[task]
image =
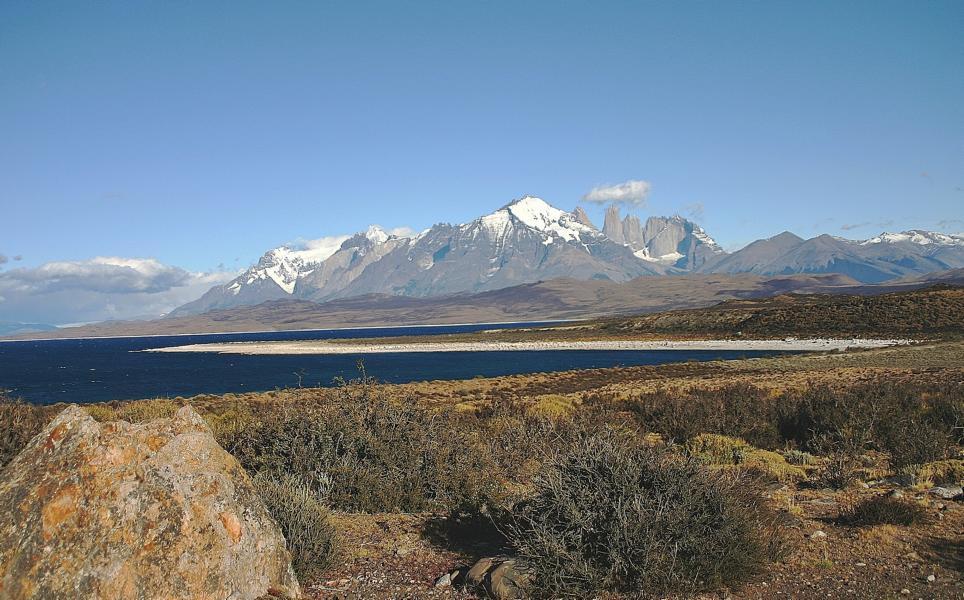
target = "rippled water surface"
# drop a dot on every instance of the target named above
(94, 370)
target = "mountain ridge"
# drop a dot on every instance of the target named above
(528, 240)
(557, 299)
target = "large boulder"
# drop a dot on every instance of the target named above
(149, 510)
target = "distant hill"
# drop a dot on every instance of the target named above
(934, 310)
(557, 299)
(12, 328)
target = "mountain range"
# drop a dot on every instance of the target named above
(550, 300)
(529, 240)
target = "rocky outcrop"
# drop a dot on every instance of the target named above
(120, 510)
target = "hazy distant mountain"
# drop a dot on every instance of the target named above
(13, 328)
(671, 241)
(528, 240)
(885, 257)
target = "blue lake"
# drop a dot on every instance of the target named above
(95, 370)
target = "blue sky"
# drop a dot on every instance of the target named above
(200, 134)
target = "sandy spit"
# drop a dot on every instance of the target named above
(323, 347)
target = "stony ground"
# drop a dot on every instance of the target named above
(401, 556)
(398, 556)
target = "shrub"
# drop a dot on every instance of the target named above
(19, 423)
(741, 411)
(799, 457)
(303, 518)
(843, 451)
(380, 454)
(949, 471)
(884, 510)
(912, 423)
(614, 516)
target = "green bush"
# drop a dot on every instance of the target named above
(303, 517)
(613, 516)
(884, 510)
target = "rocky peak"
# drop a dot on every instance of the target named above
(581, 217)
(613, 225)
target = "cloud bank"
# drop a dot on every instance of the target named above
(99, 289)
(630, 193)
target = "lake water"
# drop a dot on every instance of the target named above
(95, 370)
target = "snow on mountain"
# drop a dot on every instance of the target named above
(529, 240)
(286, 265)
(525, 241)
(917, 236)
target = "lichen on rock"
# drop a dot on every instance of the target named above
(149, 510)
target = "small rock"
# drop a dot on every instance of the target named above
(946, 492)
(931, 578)
(861, 564)
(903, 480)
(905, 592)
(817, 535)
(508, 582)
(896, 494)
(478, 570)
(444, 580)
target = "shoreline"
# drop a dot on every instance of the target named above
(323, 347)
(550, 323)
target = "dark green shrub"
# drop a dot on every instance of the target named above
(302, 515)
(19, 423)
(884, 510)
(612, 516)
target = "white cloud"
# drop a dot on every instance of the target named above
(321, 248)
(99, 289)
(632, 192)
(695, 210)
(402, 232)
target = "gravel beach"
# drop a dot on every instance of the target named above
(326, 347)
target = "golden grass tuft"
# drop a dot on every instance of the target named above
(553, 406)
(724, 451)
(939, 472)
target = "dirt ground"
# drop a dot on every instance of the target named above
(402, 555)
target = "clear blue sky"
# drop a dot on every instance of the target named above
(201, 133)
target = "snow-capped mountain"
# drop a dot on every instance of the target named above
(919, 237)
(529, 240)
(525, 241)
(281, 272)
